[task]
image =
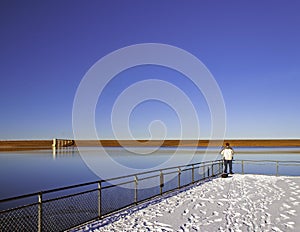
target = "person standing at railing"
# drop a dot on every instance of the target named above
(227, 152)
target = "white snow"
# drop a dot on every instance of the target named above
(236, 203)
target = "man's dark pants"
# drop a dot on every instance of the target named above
(228, 163)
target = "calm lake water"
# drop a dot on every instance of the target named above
(32, 171)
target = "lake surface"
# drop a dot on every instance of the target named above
(26, 172)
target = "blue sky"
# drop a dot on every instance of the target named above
(251, 48)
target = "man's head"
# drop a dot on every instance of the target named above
(227, 144)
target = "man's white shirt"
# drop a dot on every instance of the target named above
(227, 153)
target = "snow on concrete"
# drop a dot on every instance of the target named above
(236, 203)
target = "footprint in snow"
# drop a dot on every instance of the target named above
(202, 212)
(195, 228)
(218, 220)
(290, 225)
(220, 203)
(162, 224)
(276, 229)
(196, 206)
(296, 203)
(284, 217)
(195, 216)
(215, 213)
(185, 212)
(171, 211)
(192, 220)
(292, 212)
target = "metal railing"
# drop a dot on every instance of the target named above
(64, 208)
(267, 167)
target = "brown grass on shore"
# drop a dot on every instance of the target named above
(25, 145)
(199, 143)
(47, 144)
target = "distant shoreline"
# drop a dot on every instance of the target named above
(19, 145)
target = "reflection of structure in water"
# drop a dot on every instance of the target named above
(62, 147)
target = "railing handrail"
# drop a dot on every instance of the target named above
(157, 170)
(270, 161)
(102, 181)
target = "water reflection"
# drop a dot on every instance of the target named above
(63, 151)
(25, 172)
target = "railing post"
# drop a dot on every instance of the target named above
(208, 172)
(99, 199)
(223, 166)
(193, 174)
(40, 212)
(161, 182)
(243, 167)
(277, 168)
(135, 189)
(212, 169)
(179, 173)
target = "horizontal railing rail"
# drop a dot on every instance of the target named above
(67, 207)
(252, 167)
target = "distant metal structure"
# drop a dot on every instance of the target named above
(62, 143)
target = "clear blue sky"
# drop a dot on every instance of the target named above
(251, 48)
